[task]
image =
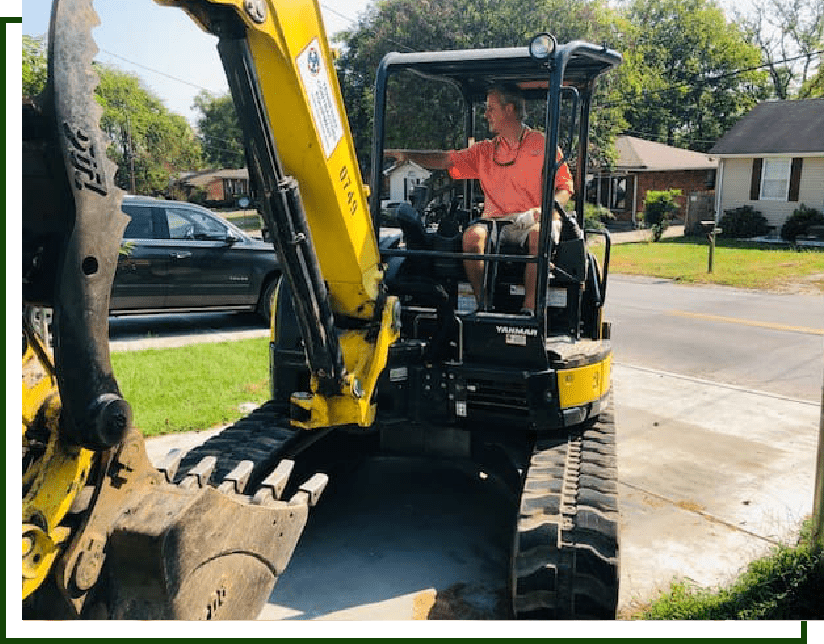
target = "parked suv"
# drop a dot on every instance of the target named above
(179, 257)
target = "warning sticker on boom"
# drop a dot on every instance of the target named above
(325, 113)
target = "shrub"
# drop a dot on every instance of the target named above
(800, 221)
(596, 216)
(743, 222)
(198, 196)
(659, 208)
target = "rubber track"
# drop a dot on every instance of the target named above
(565, 562)
(264, 437)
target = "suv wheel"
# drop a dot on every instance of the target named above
(266, 302)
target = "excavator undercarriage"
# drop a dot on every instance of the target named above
(371, 351)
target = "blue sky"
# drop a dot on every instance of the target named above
(164, 47)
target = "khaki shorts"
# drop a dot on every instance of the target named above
(519, 227)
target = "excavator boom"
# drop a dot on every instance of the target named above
(104, 533)
(280, 50)
(280, 70)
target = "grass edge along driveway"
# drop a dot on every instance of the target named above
(737, 264)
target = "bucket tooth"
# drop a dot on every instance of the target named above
(273, 485)
(198, 476)
(311, 490)
(237, 480)
(168, 466)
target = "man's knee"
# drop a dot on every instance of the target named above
(474, 239)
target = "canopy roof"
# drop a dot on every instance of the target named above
(475, 70)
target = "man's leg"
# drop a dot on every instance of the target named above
(474, 241)
(531, 273)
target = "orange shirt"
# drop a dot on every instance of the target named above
(508, 189)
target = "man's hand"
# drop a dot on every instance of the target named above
(562, 197)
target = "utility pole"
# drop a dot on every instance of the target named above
(131, 153)
(818, 502)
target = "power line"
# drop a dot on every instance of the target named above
(351, 21)
(355, 23)
(156, 71)
(699, 82)
(696, 83)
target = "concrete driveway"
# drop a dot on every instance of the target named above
(711, 477)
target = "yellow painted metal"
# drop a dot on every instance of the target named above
(52, 480)
(306, 112)
(582, 385)
(296, 75)
(364, 358)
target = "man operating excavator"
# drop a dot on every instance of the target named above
(509, 168)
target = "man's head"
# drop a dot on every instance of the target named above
(504, 107)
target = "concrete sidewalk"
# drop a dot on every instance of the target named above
(643, 234)
(711, 476)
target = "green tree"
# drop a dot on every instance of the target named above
(790, 35)
(220, 132)
(814, 87)
(34, 68)
(659, 209)
(427, 115)
(143, 133)
(693, 74)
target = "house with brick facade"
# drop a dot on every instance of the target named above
(225, 187)
(773, 160)
(642, 166)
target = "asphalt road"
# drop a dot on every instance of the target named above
(767, 341)
(717, 408)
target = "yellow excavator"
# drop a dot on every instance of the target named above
(374, 350)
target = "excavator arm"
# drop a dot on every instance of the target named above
(280, 71)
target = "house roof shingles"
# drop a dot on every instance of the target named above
(638, 154)
(777, 127)
(204, 177)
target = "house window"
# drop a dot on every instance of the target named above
(775, 179)
(608, 191)
(619, 194)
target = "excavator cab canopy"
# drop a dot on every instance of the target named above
(559, 82)
(570, 68)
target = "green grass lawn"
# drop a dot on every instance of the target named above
(248, 220)
(738, 264)
(787, 585)
(194, 387)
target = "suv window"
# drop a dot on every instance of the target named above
(186, 224)
(140, 226)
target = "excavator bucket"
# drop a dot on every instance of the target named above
(108, 535)
(186, 551)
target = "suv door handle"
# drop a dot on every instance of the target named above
(181, 255)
